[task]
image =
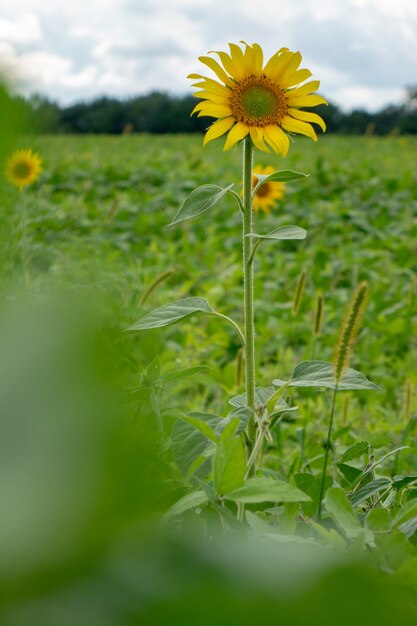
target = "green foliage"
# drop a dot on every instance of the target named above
(199, 201)
(322, 374)
(267, 490)
(283, 176)
(96, 226)
(282, 233)
(172, 313)
(229, 460)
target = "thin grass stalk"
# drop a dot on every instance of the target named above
(328, 445)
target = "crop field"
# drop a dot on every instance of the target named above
(93, 232)
(99, 217)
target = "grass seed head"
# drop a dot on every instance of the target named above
(349, 329)
(318, 316)
(299, 292)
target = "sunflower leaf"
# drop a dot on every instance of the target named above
(283, 176)
(262, 489)
(199, 201)
(281, 233)
(321, 374)
(172, 313)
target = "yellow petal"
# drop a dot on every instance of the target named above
(215, 110)
(312, 100)
(217, 69)
(256, 135)
(197, 108)
(249, 60)
(307, 116)
(296, 126)
(295, 78)
(218, 128)
(238, 132)
(237, 56)
(213, 97)
(228, 64)
(212, 85)
(277, 139)
(211, 109)
(286, 63)
(274, 61)
(258, 59)
(306, 89)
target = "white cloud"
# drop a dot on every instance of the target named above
(25, 30)
(363, 51)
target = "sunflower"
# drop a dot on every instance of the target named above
(269, 193)
(23, 168)
(259, 100)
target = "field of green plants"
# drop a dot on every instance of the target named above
(90, 240)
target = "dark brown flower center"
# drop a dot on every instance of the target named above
(22, 169)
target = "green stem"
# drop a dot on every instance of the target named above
(233, 323)
(248, 287)
(326, 456)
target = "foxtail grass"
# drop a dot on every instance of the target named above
(342, 354)
(158, 280)
(299, 292)
(349, 329)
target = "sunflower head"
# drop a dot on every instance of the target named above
(23, 168)
(269, 193)
(264, 101)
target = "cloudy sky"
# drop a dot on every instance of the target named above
(364, 51)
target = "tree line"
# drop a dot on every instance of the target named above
(159, 112)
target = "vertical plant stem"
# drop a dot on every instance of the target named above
(248, 288)
(326, 456)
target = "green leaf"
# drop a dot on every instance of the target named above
(199, 201)
(409, 527)
(283, 176)
(260, 489)
(339, 507)
(262, 397)
(378, 520)
(257, 524)
(187, 443)
(180, 374)
(281, 233)
(311, 485)
(408, 512)
(399, 482)
(373, 487)
(173, 313)
(190, 501)
(242, 413)
(229, 461)
(201, 426)
(350, 472)
(262, 394)
(321, 374)
(355, 451)
(330, 536)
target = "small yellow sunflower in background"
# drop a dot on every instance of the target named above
(269, 193)
(23, 168)
(259, 100)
